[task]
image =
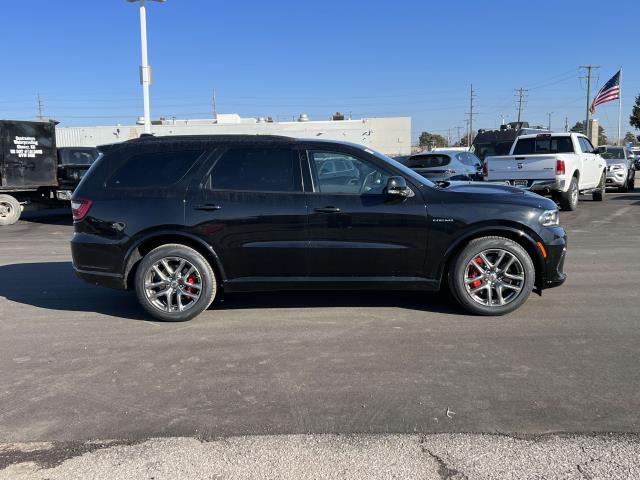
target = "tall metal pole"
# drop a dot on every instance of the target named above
(470, 131)
(145, 72)
(521, 95)
(620, 108)
(549, 124)
(586, 122)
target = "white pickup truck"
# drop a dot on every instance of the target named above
(561, 164)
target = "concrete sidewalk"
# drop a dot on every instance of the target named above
(439, 456)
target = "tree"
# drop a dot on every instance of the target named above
(634, 118)
(431, 140)
(630, 138)
(602, 138)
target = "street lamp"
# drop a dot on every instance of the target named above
(145, 69)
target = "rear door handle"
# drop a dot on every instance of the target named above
(207, 207)
(328, 210)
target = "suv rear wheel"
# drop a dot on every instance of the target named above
(174, 283)
(492, 276)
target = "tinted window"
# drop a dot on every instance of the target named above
(530, 146)
(157, 169)
(341, 173)
(255, 169)
(78, 157)
(428, 161)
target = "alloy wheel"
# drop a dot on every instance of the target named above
(494, 277)
(173, 284)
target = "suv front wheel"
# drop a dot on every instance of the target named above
(174, 283)
(492, 276)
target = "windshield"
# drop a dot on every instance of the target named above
(404, 169)
(77, 156)
(613, 153)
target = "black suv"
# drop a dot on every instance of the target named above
(180, 218)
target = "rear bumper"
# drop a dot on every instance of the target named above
(535, 184)
(101, 279)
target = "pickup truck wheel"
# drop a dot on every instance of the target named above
(569, 200)
(599, 194)
(174, 283)
(492, 276)
(631, 182)
(10, 210)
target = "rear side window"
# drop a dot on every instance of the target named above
(255, 169)
(154, 169)
(428, 161)
(531, 146)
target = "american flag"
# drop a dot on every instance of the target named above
(610, 91)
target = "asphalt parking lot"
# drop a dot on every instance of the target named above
(80, 362)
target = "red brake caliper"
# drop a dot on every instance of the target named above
(475, 273)
(192, 280)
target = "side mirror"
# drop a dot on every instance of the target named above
(397, 187)
(601, 150)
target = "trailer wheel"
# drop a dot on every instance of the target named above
(10, 210)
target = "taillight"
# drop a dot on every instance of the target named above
(560, 167)
(80, 207)
(485, 169)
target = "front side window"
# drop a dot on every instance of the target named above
(585, 145)
(255, 169)
(429, 161)
(154, 169)
(341, 173)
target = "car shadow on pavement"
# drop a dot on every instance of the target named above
(48, 217)
(54, 285)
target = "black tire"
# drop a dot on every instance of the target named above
(569, 200)
(458, 271)
(631, 183)
(208, 283)
(625, 186)
(10, 210)
(599, 194)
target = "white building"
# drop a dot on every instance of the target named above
(391, 135)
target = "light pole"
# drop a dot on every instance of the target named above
(145, 69)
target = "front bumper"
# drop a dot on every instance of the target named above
(616, 178)
(555, 245)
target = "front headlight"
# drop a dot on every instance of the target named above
(617, 167)
(549, 218)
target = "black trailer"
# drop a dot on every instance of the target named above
(498, 142)
(33, 173)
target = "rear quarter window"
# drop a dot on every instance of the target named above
(428, 161)
(154, 169)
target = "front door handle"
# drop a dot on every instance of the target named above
(328, 210)
(207, 207)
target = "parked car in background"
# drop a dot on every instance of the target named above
(73, 163)
(563, 165)
(446, 165)
(635, 151)
(621, 172)
(179, 219)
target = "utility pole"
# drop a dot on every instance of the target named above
(589, 69)
(470, 122)
(549, 124)
(566, 124)
(448, 137)
(40, 108)
(459, 137)
(522, 93)
(215, 113)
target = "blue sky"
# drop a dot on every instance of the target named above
(283, 58)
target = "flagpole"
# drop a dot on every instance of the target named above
(620, 108)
